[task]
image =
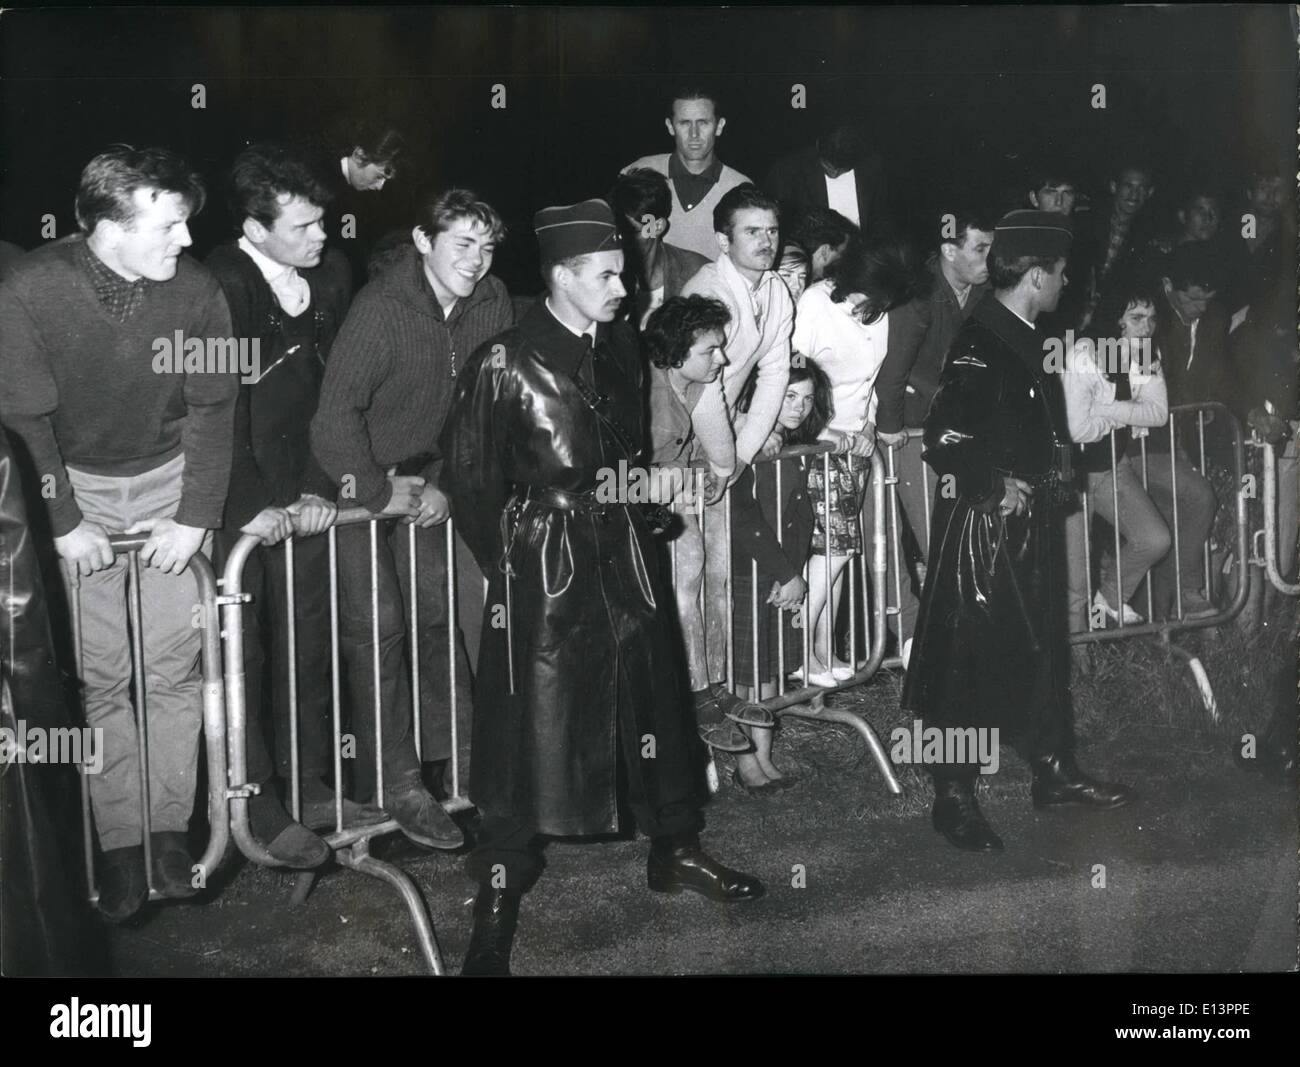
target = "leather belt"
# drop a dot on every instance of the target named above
(563, 501)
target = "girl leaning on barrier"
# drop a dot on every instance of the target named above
(772, 526)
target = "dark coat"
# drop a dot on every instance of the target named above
(798, 182)
(594, 660)
(46, 927)
(273, 462)
(990, 647)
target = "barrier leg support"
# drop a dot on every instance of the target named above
(358, 858)
(818, 711)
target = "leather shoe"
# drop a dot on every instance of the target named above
(671, 870)
(761, 790)
(422, 819)
(1057, 780)
(496, 914)
(297, 848)
(122, 885)
(957, 816)
(173, 867)
(319, 814)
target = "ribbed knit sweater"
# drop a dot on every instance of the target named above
(82, 390)
(389, 380)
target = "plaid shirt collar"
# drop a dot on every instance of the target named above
(120, 298)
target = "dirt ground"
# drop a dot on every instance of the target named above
(1199, 876)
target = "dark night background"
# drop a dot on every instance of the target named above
(959, 98)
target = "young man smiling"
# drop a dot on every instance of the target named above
(387, 391)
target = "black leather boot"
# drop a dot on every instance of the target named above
(671, 869)
(957, 816)
(496, 914)
(1058, 780)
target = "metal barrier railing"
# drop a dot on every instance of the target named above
(351, 845)
(1270, 532)
(807, 701)
(214, 721)
(1161, 629)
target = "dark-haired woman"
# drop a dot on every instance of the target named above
(772, 526)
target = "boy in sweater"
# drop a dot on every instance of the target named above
(128, 435)
(387, 390)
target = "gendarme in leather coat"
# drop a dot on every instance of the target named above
(593, 656)
(991, 641)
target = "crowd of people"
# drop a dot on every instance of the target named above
(693, 321)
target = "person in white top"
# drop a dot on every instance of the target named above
(1114, 384)
(757, 338)
(842, 323)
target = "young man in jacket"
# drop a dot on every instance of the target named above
(582, 687)
(287, 298)
(991, 648)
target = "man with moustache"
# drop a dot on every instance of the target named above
(747, 230)
(581, 689)
(289, 296)
(122, 443)
(1115, 238)
(991, 646)
(387, 390)
(698, 178)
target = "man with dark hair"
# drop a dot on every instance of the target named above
(698, 178)
(358, 157)
(1112, 243)
(128, 435)
(287, 297)
(583, 686)
(1192, 339)
(655, 269)
(920, 334)
(1051, 188)
(387, 390)
(1265, 232)
(991, 647)
(747, 225)
(824, 235)
(838, 171)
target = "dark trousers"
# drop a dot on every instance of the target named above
(508, 854)
(429, 643)
(266, 624)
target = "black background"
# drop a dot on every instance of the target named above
(958, 99)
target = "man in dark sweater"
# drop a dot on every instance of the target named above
(387, 390)
(920, 334)
(288, 296)
(126, 435)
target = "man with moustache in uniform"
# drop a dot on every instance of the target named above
(991, 647)
(584, 686)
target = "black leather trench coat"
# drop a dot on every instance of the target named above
(991, 641)
(47, 927)
(595, 666)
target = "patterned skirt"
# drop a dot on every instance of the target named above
(848, 484)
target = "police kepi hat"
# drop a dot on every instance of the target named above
(1031, 233)
(576, 230)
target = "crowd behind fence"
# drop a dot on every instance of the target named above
(876, 583)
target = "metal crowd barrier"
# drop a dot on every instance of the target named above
(214, 722)
(351, 845)
(1270, 530)
(807, 701)
(1162, 629)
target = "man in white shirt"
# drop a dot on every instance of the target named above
(839, 172)
(747, 228)
(698, 178)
